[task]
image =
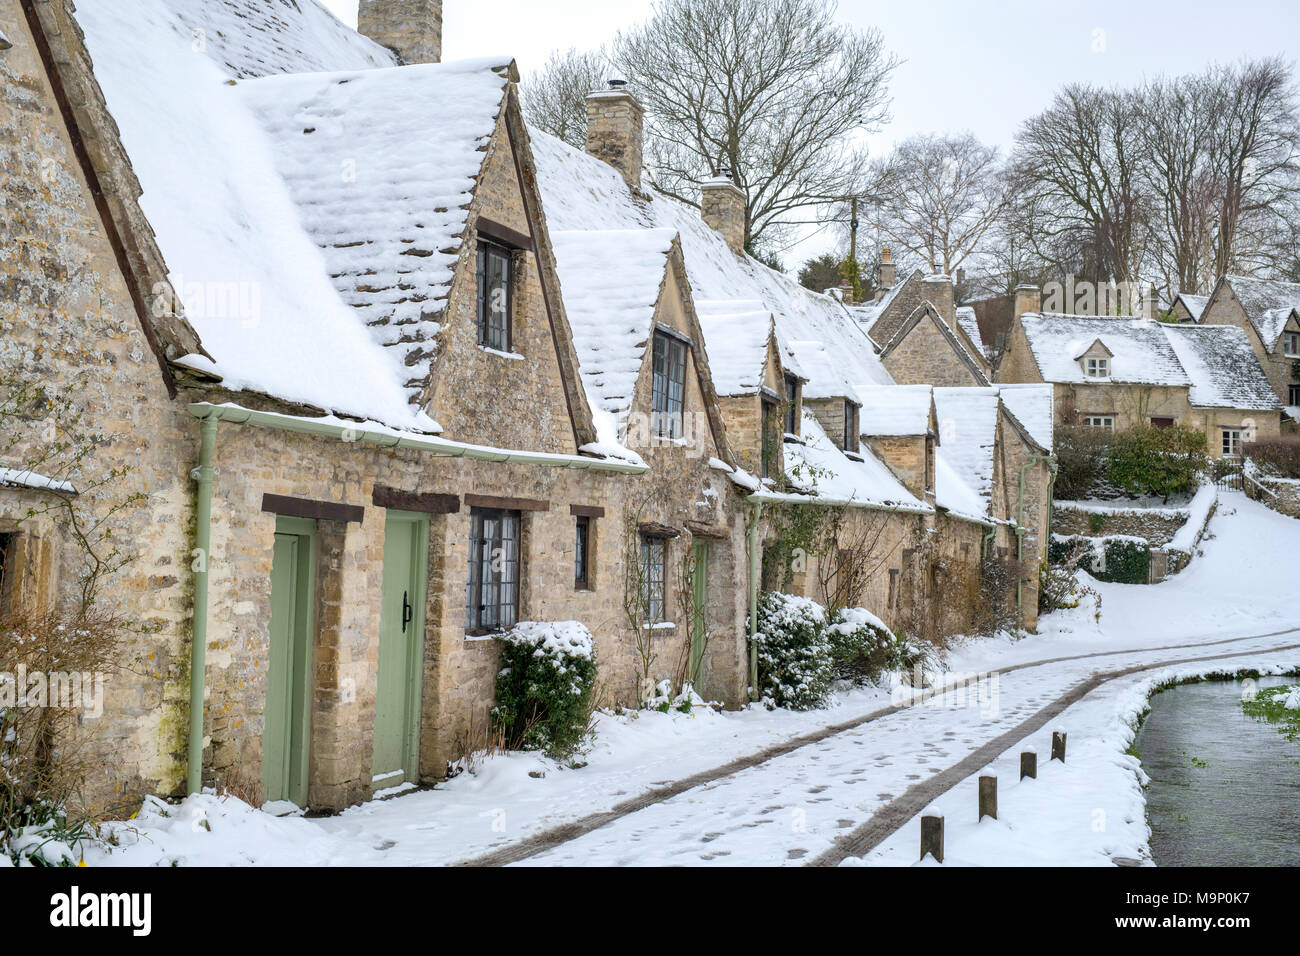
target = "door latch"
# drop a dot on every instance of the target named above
(408, 612)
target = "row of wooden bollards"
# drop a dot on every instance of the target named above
(932, 826)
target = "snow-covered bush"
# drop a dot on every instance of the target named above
(545, 686)
(794, 651)
(863, 648)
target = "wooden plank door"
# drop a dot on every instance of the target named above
(286, 738)
(401, 649)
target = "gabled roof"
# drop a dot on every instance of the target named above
(1141, 354)
(1031, 406)
(611, 280)
(382, 166)
(968, 325)
(927, 311)
(738, 336)
(224, 218)
(898, 303)
(1097, 346)
(1268, 304)
(1223, 367)
(896, 410)
(1194, 304)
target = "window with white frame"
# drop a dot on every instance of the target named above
(1231, 442)
(1100, 421)
(1096, 366)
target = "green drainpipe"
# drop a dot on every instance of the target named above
(755, 570)
(203, 474)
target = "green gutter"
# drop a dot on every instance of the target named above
(393, 439)
(203, 474)
(210, 416)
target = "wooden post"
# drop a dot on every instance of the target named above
(988, 797)
(1028, 765)
(1058, 745)
(932, 838)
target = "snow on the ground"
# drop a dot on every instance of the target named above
(791, 808)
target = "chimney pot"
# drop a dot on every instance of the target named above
(410, 28)
(886, 271)
(614, 130)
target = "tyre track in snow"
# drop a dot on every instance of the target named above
(560, 834)
(895, 814)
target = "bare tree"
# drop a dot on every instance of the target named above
(772, 90)
(1253, 151)
(1076, 165)
(937, 197)
(555, 97)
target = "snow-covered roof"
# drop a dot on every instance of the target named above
(611, 280)
(954, 494)
(967, 322)
(1268, 304)
(381, 165)
(256, 287)
(1031, 406)
(816, 332)
(1194, 304)
(817, 467)
(968, 427)
(1224, 370)
(895, 410)
(1141, 354)
(736, 335)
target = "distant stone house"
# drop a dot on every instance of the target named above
(396, 373)
(1188, 308)
(1268, 311)
(926, 349)
(1117, 373)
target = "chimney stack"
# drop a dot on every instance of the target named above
(1029, 298)
(886, 269)
(722, 206)
(410, 28)
(1150, 303)
(614, 120)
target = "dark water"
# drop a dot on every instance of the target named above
(1225, 788)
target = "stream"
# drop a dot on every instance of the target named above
(1225, 788)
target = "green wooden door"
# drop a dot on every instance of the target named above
(287, 736)
(699, 603)
(401, 649)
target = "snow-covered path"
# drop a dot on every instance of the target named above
(792, 807)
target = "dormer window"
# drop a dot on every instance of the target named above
(851, 438)
(495, 295)
(1291, 344)
(668, 388)
(1095, 366)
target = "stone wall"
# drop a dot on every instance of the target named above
(925, 356)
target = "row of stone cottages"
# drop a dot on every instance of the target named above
(395, 371)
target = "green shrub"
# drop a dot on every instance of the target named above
(1083, 462)
(1120, 559)
(1096, 522)
(1157, 461)
(794, 652)
(545, 685)
(862, 648)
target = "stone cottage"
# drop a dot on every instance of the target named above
(1268, 312)
(1116, 373)
(393, 372)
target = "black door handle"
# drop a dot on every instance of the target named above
(408, 612)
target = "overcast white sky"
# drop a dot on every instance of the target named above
(977, 66)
